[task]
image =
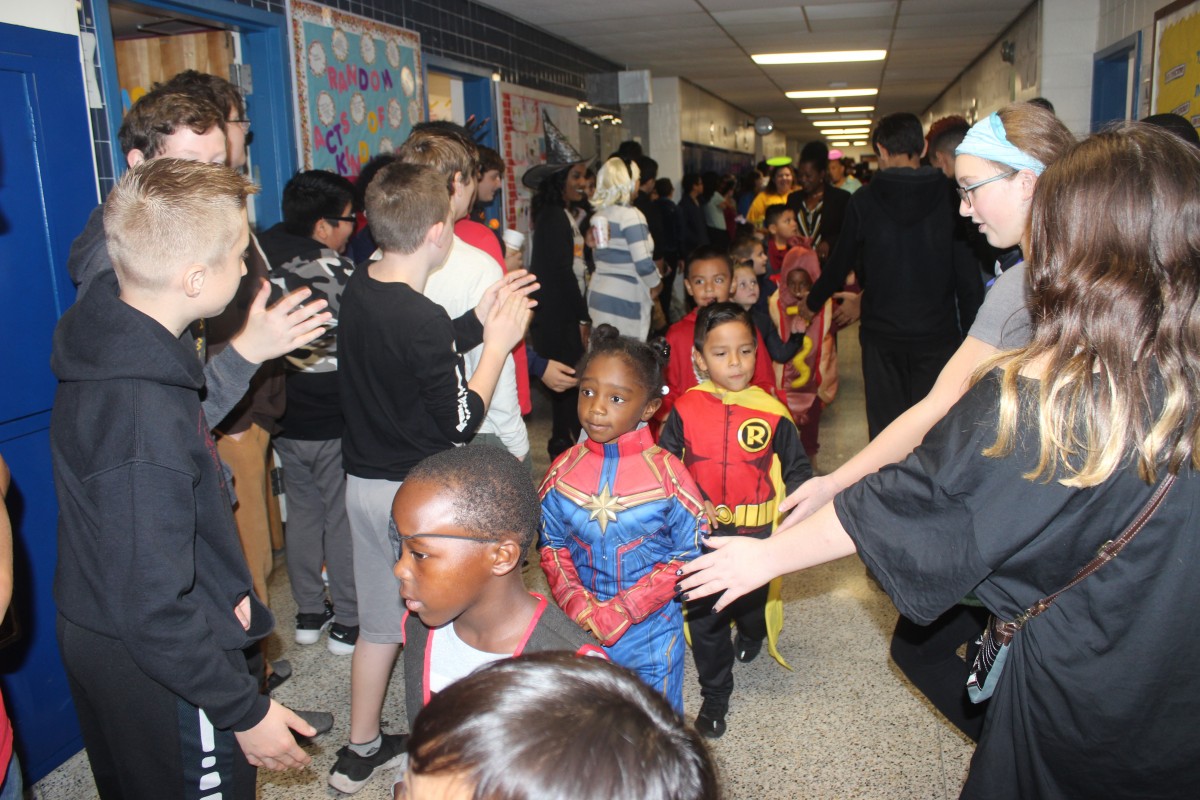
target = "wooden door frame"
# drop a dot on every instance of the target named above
(264, 48)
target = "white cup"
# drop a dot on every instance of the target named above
(600, 231)
(514, 239)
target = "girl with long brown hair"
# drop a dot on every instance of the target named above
(1052, 452)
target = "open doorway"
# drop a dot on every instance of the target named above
(152, 46)
(1115, 82)
(465, 94)
(142, 42)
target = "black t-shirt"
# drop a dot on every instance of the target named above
(403, 384)
(1097, 698)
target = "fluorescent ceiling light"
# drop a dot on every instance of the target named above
(829, 57)
(814, 94)
(855, 109)
(841, 132)
(829, 110)
(841, 123)
(860, 144)
(840, 144)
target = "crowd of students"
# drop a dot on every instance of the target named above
(679, 437)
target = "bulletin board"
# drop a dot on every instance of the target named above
(523, 143)
(1176, 61)
(358, 84)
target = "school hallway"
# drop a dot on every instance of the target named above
(844, 724)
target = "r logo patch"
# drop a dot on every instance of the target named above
(754, 435)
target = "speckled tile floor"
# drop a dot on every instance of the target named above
(844, 724)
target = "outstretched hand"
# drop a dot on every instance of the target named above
(520, 282)
(508, 320)
(271, 745)
(280, 329)
(808, 497)
(734, 566)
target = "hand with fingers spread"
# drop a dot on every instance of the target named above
(507, 320)
(520, 282)
(271, 745)
(732, 565)
(736, 565)
(280, 329)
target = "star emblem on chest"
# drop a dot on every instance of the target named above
(604, 508)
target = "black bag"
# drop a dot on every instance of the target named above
(998, 635)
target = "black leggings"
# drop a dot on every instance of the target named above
(928, 656)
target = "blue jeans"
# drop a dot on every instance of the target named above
(14, 786)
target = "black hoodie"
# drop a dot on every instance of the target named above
(148, 549)
(921, 282)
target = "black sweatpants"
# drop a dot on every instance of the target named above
(928, 656)
(712, 647)
(895, 380)
(144, 742)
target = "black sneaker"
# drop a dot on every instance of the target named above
(322, 722)
(351, 771)
(710, 722)
(746, 650)
(309, 626)
(342, 639)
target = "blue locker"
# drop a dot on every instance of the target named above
(47, 189)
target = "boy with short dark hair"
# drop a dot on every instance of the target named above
(463, 522)
(707, 279)
(305, 250)
(405, 396)
(156, 611)
(744, 452)
(782, 229)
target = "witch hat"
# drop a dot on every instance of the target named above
(560, 154)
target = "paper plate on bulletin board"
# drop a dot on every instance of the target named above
(358, 86)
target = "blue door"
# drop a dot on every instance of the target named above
(47, 189)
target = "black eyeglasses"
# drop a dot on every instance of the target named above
(964, 192)
(397, 541)
(342, 219)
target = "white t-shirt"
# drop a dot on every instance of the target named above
(451, 659)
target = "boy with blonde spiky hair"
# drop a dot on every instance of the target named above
(155, 604)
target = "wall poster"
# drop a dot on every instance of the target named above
(359, 85)
(1176, 61)
(523, 144)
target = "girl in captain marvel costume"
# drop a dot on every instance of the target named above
(621, 516)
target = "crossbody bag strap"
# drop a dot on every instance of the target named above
(1108, 551)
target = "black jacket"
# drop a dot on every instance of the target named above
(920, 280)
(148, 549)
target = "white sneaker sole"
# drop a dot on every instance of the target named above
(345, 785)
(340, 648)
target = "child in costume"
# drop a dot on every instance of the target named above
(741, 446)
(809, 378)
(621, 515)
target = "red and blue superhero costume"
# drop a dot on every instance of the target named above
(744, 452)
(618, 520)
